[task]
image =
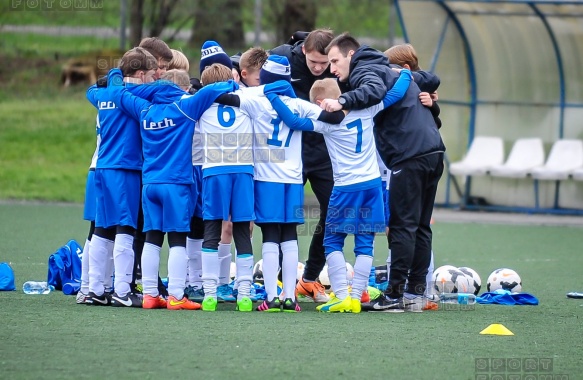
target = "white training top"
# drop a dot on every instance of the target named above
(98, 135)
(227, 136)
(277, 149)
(351, 146)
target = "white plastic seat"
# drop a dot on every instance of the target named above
(526, 154)
(484, 153)
(577, 174)
(565, 156)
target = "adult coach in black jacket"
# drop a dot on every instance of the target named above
(309, 63)
(410, 145)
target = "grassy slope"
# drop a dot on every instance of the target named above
(51, 337)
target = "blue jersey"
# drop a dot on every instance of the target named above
(167, 129)
(121, 144)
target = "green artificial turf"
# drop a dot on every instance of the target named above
(50, 337)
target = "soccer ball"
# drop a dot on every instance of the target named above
(506, 279)
(300, 273)
(443, 267)
(451, 281)
(325, 279)
(258, 272)
(233, 271)
(475, 280)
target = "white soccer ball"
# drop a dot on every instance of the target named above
(325, 279)
(258, 272)
(349, 272)
(506, 279)
(300, 272)
(475, 280)
(451, 281)
(233, 271)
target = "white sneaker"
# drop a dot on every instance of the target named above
(80, 299)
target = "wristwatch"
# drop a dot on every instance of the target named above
(342, 101)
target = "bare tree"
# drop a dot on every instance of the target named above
(219, 20)
(136, 22)
(294, 15)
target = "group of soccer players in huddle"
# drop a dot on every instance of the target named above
(203, 161)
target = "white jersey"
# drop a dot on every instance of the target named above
(351, 146)
(96, 153)
(226, 136)
(277, 149)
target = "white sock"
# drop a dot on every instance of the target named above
(244, 275)
(337, 274)
(224, 263)
(429, 290)
(109, 268)
(289, 267)
(194, 252)
(389, 263)
(97, 262)
(362, 266)
(270, 253)
(123, 258)
(150, 268)
(85, 268)
(177, 271)
(210, 271)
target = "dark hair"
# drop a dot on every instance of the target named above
(135, 60)
(317, 40)
(345, 42)
(157, 48)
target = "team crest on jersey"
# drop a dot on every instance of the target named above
(159, 125)
(107, 105)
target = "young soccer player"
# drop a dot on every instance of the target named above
(356, 202)
(179, 62)
(117, 179)
(250, 65)
(227, 191)
(167, 178)
(160, 50)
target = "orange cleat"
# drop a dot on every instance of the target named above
(365, 297)
(313, 291)
(150, 302)
(182, 304)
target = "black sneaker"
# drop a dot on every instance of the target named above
(290, 306)
(386, 304)
(130, 300)
(95, 300)
(273, 306)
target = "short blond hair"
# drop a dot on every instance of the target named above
(179, 61)
(180, 77)
(253, 59)
(324, 89)
(216, 73)
(403, 54)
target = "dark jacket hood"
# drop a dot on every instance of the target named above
(365, 55)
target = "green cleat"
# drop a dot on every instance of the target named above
(209, 304)
(336, 305)
(244, 304)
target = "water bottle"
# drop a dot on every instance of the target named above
(457, 298)
(35, 287)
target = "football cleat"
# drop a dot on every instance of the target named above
(336, 305)
(181, 304)
(150, 302)
(313, 291)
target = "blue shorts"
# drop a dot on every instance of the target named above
(279, 202)
(167, 207)
(225, 195)
(197, 191)
(386, 202)
(118, 197)
(90, 198)
(356, 211)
